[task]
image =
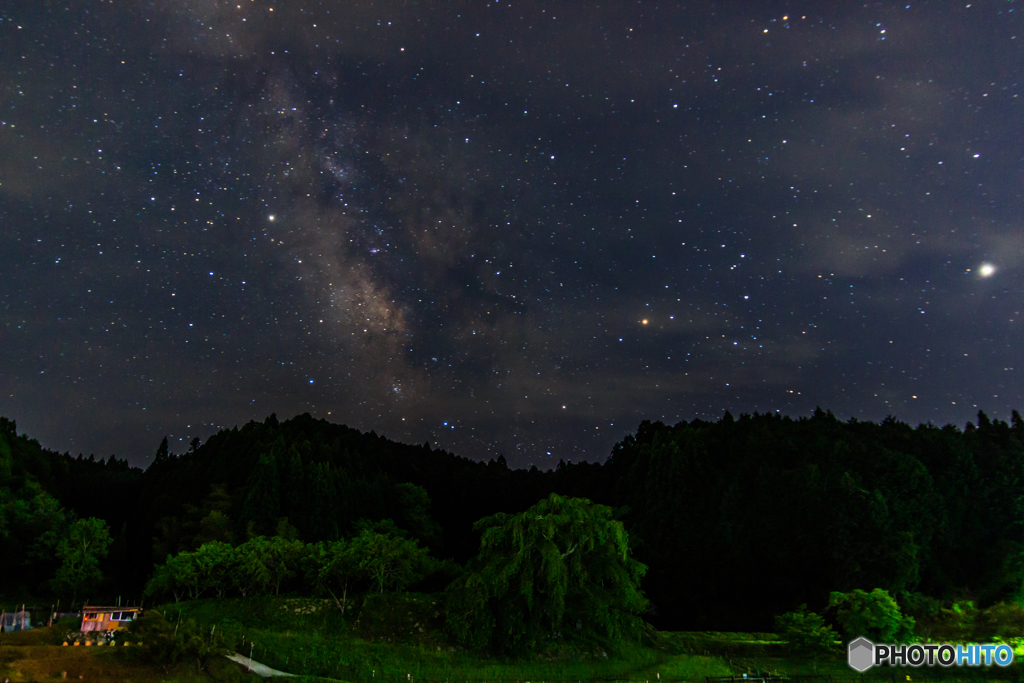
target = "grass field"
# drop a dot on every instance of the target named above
(39, 655)
(45, 662)
(398, 638)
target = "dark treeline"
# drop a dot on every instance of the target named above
(737, 520)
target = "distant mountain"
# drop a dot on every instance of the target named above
(738, 520)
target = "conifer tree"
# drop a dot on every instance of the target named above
(263, 502)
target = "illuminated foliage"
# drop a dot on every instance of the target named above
(564, 564)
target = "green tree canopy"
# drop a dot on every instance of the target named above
(214, 566)
(264, 563)
(219, 560)
(329, 566)
(164, 580)
(80, 548)
(390, 561)
(415, 515)
(562, 564)
(874, 615)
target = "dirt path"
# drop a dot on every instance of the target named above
(257, 668)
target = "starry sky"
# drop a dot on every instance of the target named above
(515, 227)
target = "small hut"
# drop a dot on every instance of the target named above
(108, 618)
(15, 621)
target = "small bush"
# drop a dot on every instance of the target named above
(165, 643)
(806, 632)
(955, 623)
(1003, 620)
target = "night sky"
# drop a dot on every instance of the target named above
(516, 227)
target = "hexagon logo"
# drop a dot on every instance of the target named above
(861, 654)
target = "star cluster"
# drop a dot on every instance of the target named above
(517, 227)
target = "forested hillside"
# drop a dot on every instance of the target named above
(737, 520)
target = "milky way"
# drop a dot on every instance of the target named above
(515, 228)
